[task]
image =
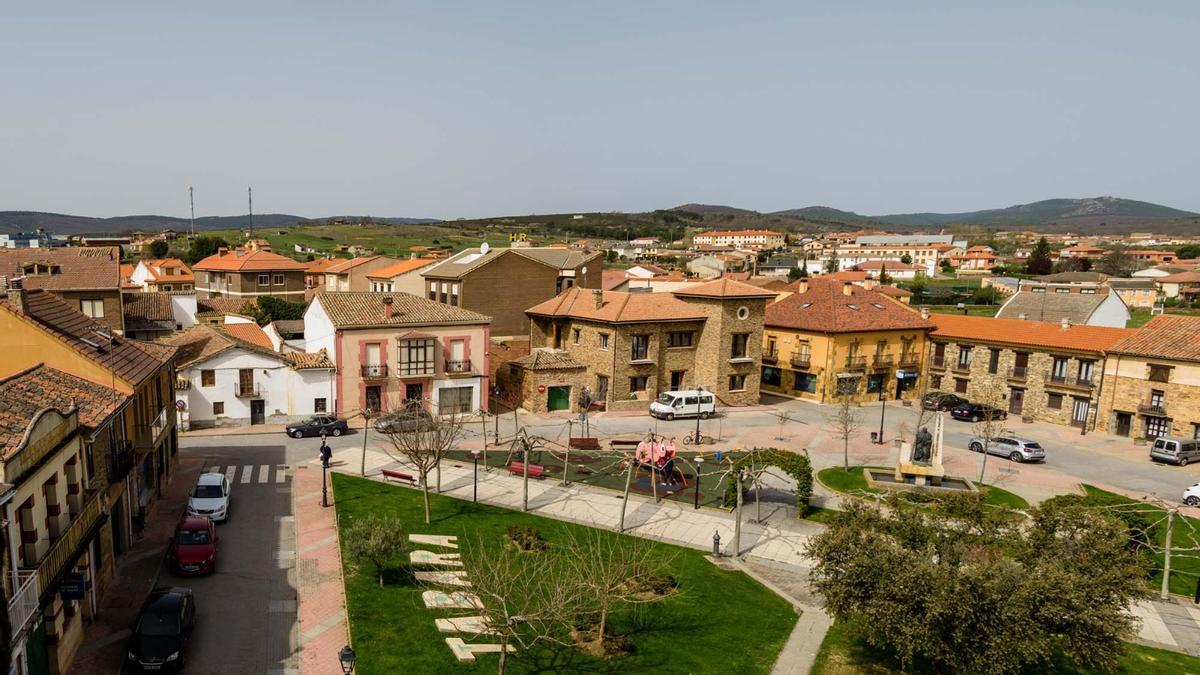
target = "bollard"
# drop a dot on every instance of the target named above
(1196, 600)
(716, 544)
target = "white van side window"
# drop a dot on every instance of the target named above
(690, 400)
(706, 399)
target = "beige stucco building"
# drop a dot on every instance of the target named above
(1152, 380)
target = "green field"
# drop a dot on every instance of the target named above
(971, 310)
(853, 482)
(690, 632)
(842, 654)
(394, 240)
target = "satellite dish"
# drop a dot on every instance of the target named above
(583, 270)
(484, 248)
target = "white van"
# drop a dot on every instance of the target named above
(685, 403)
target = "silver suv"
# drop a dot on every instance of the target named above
(1013, 447)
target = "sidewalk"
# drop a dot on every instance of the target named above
(103, 650)
(323, 623)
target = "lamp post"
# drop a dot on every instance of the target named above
(475, 476)
(698, 441)
(347, 657)
(882, 410)
(324, 472)
(696, 500)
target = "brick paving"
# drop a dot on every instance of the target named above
(323, 625)
(105, 638)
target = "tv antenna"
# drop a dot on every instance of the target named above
(250, 201)
(192, 220)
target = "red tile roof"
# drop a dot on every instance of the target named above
(240, 260)
(203, 341)
(1179, 278)
(319, 265)
(724, 288)
(1043, 334)
(183, 273)
(357, 309)
(249, 332)
(825, 307)
(314, 361)
(23, 395)
(344, 266)
(400, 267)
(1169, 337)
(71, 268)
(617, 307)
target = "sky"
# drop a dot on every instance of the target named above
(455, 109)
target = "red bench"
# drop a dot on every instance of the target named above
(398, 475)
(584, 443)
(518, 469)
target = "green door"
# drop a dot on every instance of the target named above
(558, 398)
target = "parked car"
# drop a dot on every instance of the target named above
(210, 497)
(974, 412)
(194, 546)
(687, 403)
(941, 401)
(1191, 496)
(1013, 447)
(162, 630)
(407, 420)
(1179, 451)
(313, 426)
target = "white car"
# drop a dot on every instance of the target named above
(210, 497)
(1191, 496)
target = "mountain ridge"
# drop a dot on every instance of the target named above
(63, 223)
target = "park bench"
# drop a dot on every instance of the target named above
(398, 475)
(584, 443)
(619, 444)
(518, 469)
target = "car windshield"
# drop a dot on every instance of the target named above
(208, 492)
(192, 537)
(159, 622)
(666, 399)
(313, 421)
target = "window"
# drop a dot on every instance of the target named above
(637, 384)
(677, 379)
(771, 376)
(1157, 398)
(186, 287)
(1062, 290)
(454, 295)
(601, 388)
(433, 291)
(445, 293)
(679, 339)
(416, 357)
(1087, 291)
(1160, 373)
(993, 360)
(960, 385)
(1086, 370)
(1054, 401)
(264, 279)
(805, 382)
(278, 280)
(737, 382)
(575, 335)
(935, 381)
(740, 342)
(454, 400)
(639, 347)
(319, 405)
(939, 353)
(165, 288)
(964, 357)
(1157, 426)
(208, 378)
(218, 407)
(604, 341)
(92, 308)
(1038, 289)
(875, 383)
(743, 312)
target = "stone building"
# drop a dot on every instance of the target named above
(544, 381)
(87, 278)
(245, 273)
(1039, 370)
(831, 337)
(636, 345)
(1152, 380)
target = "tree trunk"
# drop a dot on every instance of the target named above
(625, 498)
(503, 653)
(846, 452)
(425, 496)
(600, 628)
(525, 480)
(362, 469)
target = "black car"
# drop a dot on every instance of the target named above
(975, 412)
(313, 426)
(162, 630)
(408, 420)
(941, 401)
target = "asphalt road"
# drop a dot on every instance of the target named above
(246, 611)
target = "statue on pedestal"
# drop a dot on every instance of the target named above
(923, 447)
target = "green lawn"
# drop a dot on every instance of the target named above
(1137, 317)
(717, 622)
(1185, 567)
(842, 654)
(853, 482)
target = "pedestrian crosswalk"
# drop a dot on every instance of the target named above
(253, 474)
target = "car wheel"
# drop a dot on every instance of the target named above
(974, 418)
(705, 415)
(1192, 501)
(336, 431)
(1183, 461)
(1015, 456)
(670, 417)
(976, 447)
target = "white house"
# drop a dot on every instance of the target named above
(229, 375)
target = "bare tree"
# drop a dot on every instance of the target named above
(525, 596)
(375, 539)
(845, 419)
(990, 421)
(424, 445)
(615, 572)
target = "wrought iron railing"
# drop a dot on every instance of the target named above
(63, 549)
(374, 370)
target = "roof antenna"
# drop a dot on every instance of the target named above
(192, 220)
(250, 200)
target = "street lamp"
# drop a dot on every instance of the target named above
(324, 472)
(696, 500)
(698, 441)
(475, 476)
(346, 657)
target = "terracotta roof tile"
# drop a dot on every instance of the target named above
(224, 306)
(1164, 337)
(356, 309)
(824, 307)
(249, 332)
(618, 307)
(400, 267)
(183, 273)
(319, 265)
(73, 268)
(1042, 334)
(1179, 278)
(313, 361)
(239, 260)
(146, 309)
(23, 395)
(548, 359)
(203, 341)
(343, 266)
(724, 288)
(1052, 307)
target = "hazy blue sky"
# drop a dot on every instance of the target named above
(473, 109)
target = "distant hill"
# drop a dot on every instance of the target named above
(824, 213)
(1091, 211)
(714, 210)
(60, 223)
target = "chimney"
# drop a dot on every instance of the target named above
(869, 284)
(1022, 316)
(847, 288)
(1066, 322)
(221, 250)
(924, 312)
(16, 296)
(802, 286)
(598, 298)
(387, 308)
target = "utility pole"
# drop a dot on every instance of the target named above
(192, 220)
(1166, 582)
(250, 201)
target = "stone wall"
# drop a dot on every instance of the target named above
(1127, 390)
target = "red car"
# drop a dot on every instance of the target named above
(194, 546)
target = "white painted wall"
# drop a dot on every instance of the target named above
(305, 386)
(183, 307)
(233, 318)
(319, 332)
(1112, 312)
(271, 375)
(438, 385)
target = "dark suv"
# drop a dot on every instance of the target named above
(975, 412)
(941, 401)
(162, 630)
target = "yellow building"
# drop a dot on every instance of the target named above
(831, 337)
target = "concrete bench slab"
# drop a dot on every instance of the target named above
(431, 558)
(465, 652)
(473, 625)
(444, 600)
(434, 540)
(450, 578)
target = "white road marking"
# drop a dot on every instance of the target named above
(247, 472)
(263, 471)
(281, 473)
(231, 472)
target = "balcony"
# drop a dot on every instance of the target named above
(938, 361)
(120, 462)
(770, 356)
(24, 602)
(374, 371)
(182, 384)
(247, 390)
(802, 361)
(960, 367)
(856, 363)
(458, 367)
(882, 361)
(416, 369)
(1153, 408)
(909, 359)
(1018, 373)
(1068, 382)
(64, 550)
(148, 435)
